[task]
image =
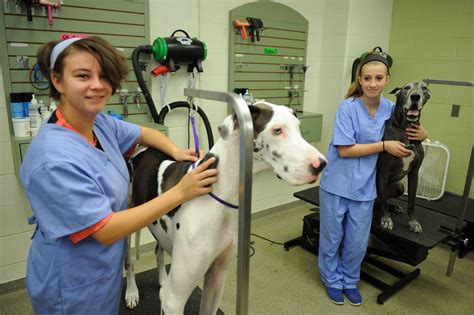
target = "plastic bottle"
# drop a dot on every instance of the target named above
(247, 97)
(33, 113)
(45, 113)
(52, 105)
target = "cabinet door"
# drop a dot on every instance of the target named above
(311, 128)
(23, 148)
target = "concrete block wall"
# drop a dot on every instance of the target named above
(337, 34)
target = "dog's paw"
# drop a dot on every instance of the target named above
(415, 226)
(132, 297)
(395, 209)
(386, 222)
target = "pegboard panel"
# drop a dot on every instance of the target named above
(272, 68)
(124, 23)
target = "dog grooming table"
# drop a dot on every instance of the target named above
(399, 244)
(450, 204)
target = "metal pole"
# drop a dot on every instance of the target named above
(245, 187)
(448, 82)
(462, 211)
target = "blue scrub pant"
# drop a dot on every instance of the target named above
(344, 234)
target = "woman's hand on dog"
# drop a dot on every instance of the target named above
(187, 155)
(197, 182)
(397, 148)
(416, 132)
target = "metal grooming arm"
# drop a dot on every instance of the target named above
(467, 185)
(448, 82)
(245, 186)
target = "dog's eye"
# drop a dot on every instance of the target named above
(424, 88)
(406, 88)
(277, 131)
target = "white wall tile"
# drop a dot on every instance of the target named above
(6, 159)
(12, 272)
(11, 191)
(4, 126)
(13, 219)
(2, 91)
(216, 63)
(14, 248)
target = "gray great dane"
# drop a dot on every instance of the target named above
(201, 235)
(390, 169)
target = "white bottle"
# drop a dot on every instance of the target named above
(45, 113)
(52, 105)
(33, 113)
(248, 97)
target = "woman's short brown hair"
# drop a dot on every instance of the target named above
(112, 62)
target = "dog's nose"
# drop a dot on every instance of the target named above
(316, 169)
(415, 97)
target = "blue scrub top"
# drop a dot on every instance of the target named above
(72, 185)
(354, 178)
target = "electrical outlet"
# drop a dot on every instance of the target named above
(455, 110)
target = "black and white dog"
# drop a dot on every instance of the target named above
(201, 235)
(390, 169)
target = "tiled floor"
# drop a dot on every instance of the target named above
(284, 282)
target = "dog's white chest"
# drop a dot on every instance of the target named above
(407, 161)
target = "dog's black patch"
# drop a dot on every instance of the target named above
(163, 225)
(285, 168)
(257, 146)
(276, 154)
(223, 131)
(173, 174)
(261, 115)
(145, 171)
(177, 226)
(145, 185)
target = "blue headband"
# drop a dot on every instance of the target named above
(59, 48)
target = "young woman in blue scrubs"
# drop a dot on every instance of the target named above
(76, 180)
(347, 186)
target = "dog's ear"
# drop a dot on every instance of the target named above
(395, 91)
(427, 95)
(261, 115)
(227, 126)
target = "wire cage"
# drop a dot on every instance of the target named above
(433, 171)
